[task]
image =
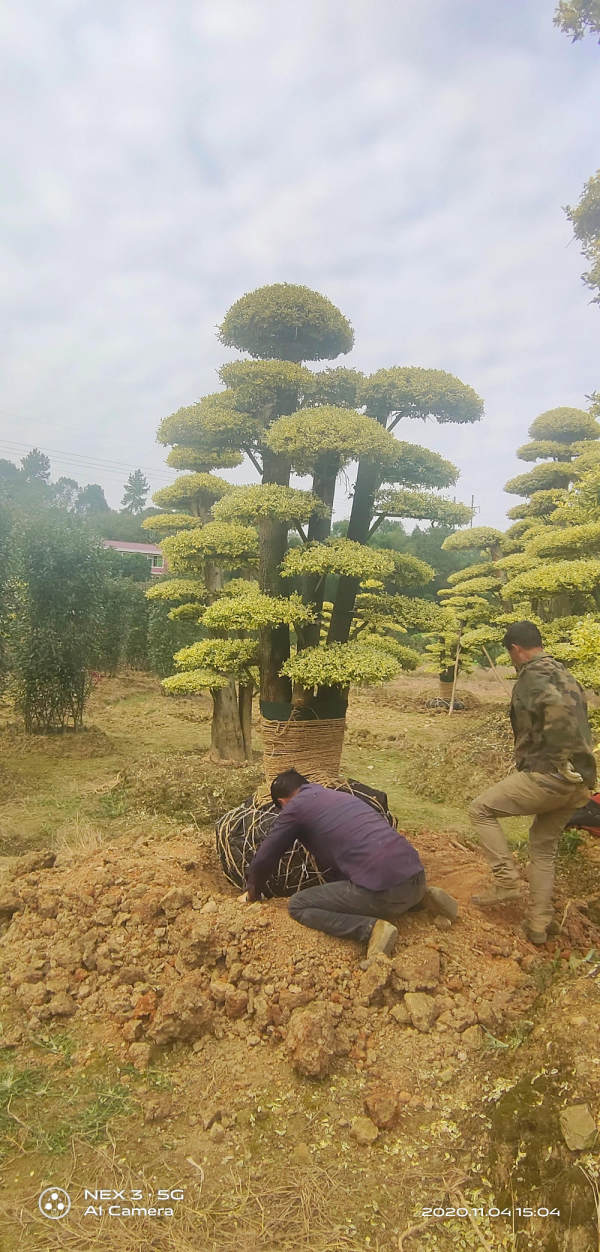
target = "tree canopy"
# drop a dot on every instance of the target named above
(285, 418)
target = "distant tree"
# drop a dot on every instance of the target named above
(114, 524)
(136, 493)
(64, 494)
(91, 500)
(36, 465)
(578, 18)
(585, 219)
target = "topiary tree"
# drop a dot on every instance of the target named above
(200, 552)
(286, 419)
(550, 567)
(471, 599)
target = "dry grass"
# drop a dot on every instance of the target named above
(271, 1212)
(186, 785)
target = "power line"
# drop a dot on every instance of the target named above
(78, 459)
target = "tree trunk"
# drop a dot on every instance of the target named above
(226, 740)
(367, 484)
(319, 529)
(274, 641)
(245, 693)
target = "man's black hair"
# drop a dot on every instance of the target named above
(524, 635)
(286, 784)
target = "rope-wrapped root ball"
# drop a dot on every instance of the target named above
(241, 831)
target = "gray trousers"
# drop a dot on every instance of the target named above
(350, 912)
(548, 799)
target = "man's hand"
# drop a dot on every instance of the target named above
(247, 897)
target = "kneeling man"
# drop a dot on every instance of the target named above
(380, 874)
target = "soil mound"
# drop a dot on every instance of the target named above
(141, 947)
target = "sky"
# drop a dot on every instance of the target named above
(410, 160)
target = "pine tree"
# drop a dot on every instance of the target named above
(136, 493)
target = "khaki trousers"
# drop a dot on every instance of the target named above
(552, 800)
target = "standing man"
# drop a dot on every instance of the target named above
(555, 769)
(380, 874)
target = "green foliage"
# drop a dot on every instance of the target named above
(136, 493)
(195, 682)
(224, 542)
(422, 505)
(414, 392)
(476, 539)
(227, 656)
(91, 500)
(552, 449)
(544, 477)
(515, 562)
(36, 465)
(55, 622)
(472, 586)
(565, 425)
(585, 218)
(582, 653)
(339, 387)
(254, 611)
(480, 570)
(203, 458)
(286, 322)
(177, 589)
(415, 466)
(578, 18)
(122, 526)
(214, 424)
(168, 523)
(337, 556)
(194, 492)
(406, 613)
(310, 434)
(266, 389)
(546, 581)
(540, 504)
(407, 658)
(567, 540)
(122, 631)
(408, 571)
(268, 500)
(340, 664)
(166, 636)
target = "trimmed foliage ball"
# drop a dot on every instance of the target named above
(288, 323)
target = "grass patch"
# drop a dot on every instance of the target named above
(32, 1103)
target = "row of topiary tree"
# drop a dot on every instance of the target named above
(546, 565)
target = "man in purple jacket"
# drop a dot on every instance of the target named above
(380, 874)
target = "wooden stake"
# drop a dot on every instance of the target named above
(451, 709)
(503, 683)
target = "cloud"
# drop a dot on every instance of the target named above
(409, 161)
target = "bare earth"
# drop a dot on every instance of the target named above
(157, 1034)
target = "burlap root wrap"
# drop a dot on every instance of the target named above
(241, 832)
(312, 746)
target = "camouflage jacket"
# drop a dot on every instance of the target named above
(548, 712)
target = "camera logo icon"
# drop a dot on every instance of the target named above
(54, 1203)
